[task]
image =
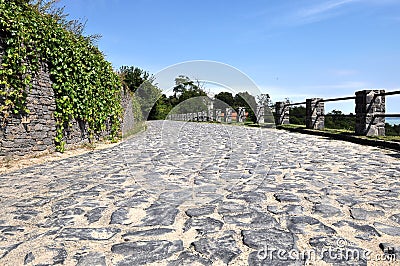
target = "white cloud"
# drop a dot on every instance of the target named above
(322, 11)
(323, 8)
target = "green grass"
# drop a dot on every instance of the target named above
(342, 132)
(384, 138)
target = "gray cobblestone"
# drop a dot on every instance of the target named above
(201, 193)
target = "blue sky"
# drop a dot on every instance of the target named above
(297, 49)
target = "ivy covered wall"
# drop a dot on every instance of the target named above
(56, 87)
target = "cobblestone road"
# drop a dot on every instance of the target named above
(201, 194)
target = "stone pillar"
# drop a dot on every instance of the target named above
(204, 115)
(281, 113)
(315, 112)
(228, 115)
(218, 117)
(368, 104)
(199, 118)
(210, 114)
(260, 114)
(241, 114)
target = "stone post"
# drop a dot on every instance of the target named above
(210, 114)
(199, 117)
(241, 114)
(281, 113)
(260, 114)
(218, 115)
(315, 112)
(204, 115)
(368, 104)
(228, 115)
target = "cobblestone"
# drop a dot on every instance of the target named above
(187, 193)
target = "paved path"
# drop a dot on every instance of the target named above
(200, 194)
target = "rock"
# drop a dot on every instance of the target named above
(120, 216)
(338, 251)
(137, 199)
(223, 248)
(96, 234)
(387, 229)
(189, 258)
(366, 231)
(204, 210)
(391, 249)
(29, 258)
(61, 255)
(296, 224)
(160, 214)
(395, 217)
(248, 196)
(273, 237)
(95, 214)
(144, 252)
(25, 214)
(287, 209)
(254, 219)
(7, 249)
(326, 210)
(362, 214)
(92, 259)
(231, 207)
(258, 258)
(349, 200)
(203, 225)
(149, 232)
(286, 197)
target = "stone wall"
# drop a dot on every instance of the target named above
(34, 133)
(128, 121)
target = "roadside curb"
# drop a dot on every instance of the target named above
(354, 139)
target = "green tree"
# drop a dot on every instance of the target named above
(392, 130)
(224, 97)
(297, 115)
(148, 95)
(160, 109)
(132, 77)
(337, 120)
(245, 99)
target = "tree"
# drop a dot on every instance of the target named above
(148, 95)
(337, 120)
(189, 95)
(224, 97)
(264, 99)
(160, 109)
(392, 130)
(245, 99)
(297, 115)
(132, 77)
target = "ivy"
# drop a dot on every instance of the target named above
(84, 83)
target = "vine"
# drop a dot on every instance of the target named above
(84, 83)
